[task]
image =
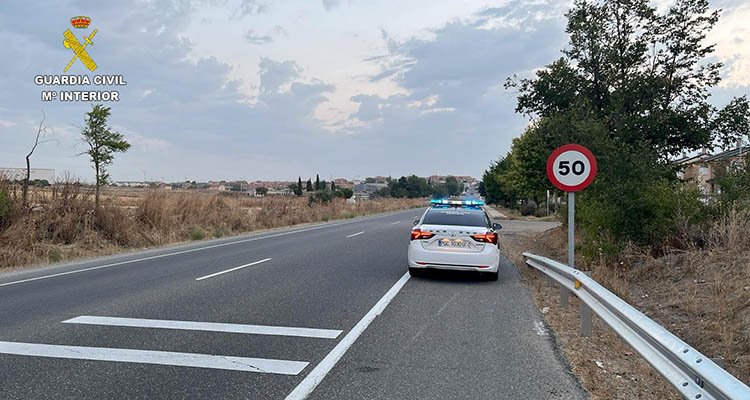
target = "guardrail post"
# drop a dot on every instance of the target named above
(586, 317)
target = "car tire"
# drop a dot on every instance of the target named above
(416, 272)
(490, 276)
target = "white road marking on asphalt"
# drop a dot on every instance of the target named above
(232, 269)
(206, 326)
(264, 365)
(539, 328)
(320, 371)
(190, 250)
(355, 234)
(394, 223)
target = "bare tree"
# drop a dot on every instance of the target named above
(42, 130)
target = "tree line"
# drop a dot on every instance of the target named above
(633, 86)
(417, 187)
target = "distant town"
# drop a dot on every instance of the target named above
(362, 188)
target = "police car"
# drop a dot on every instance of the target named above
(455, 235)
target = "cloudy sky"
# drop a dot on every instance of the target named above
(275, 89)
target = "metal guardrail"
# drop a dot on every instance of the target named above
(694, 375)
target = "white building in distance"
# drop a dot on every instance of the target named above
(19, 174)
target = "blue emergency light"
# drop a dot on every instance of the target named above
(456, 203)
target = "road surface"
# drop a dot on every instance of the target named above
(324, 311)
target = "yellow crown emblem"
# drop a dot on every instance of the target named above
(80, 22)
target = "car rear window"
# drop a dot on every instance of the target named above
(455, 217)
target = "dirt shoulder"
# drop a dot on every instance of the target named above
(606, 367)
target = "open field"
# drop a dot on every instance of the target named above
(701, 295)
(61, 222)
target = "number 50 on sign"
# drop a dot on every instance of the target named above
(571, 167)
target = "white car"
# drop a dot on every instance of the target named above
(455, 235)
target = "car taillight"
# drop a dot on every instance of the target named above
(489, 237)
(417, 234)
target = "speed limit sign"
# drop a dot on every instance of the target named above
(571, 167)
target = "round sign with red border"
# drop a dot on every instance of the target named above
(571, 167)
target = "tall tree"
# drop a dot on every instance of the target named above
(317, 182)
(103, 142)
(309, 186)
(633, 86)
(298, 189)
(333, 186)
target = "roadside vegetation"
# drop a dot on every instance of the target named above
(61, 222)
(633, 85)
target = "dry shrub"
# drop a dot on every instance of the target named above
(702, 295)
(62, 223)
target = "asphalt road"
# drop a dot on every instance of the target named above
(269, 316)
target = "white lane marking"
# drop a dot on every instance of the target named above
(252, 239)
(539, 328)
(232, 269)
(355, 234)
(263, 365)
(206, 326)
(320, 371)
(394, 223)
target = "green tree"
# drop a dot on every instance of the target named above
(344, 192)
(317, 182)
(261, 191)
(633, 86)
(103, 142)
(452, 186)
(333, 186)
(309, 186)
(298, 189)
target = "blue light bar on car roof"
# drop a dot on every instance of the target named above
(456, 202)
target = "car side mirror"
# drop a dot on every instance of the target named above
(496, 226)
(416, 221)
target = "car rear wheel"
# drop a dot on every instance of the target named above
(416, 272)
(490, 276)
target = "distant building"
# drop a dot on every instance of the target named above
(701, 169)
(364, 190)
(18, 174)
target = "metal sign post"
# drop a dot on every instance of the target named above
(571, 168)
(571, 243)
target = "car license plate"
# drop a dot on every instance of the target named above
(453, 243)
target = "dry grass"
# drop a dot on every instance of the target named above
(702, 295)
(62, 223)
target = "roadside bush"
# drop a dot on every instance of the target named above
(4, 205)
(197, 234)
(528, 209)
(54, 255)
(321, 196)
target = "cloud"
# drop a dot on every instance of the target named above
(180, 109)
(255, 38)
(731, 35)
(274, 74)
(331, 4)
(455, 113)
(250, 7)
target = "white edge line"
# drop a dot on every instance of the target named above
(355, 234)
(394, 223)
(205, 326)
(313, 379)
(196, 249)
(263, 365)
(232, 269)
